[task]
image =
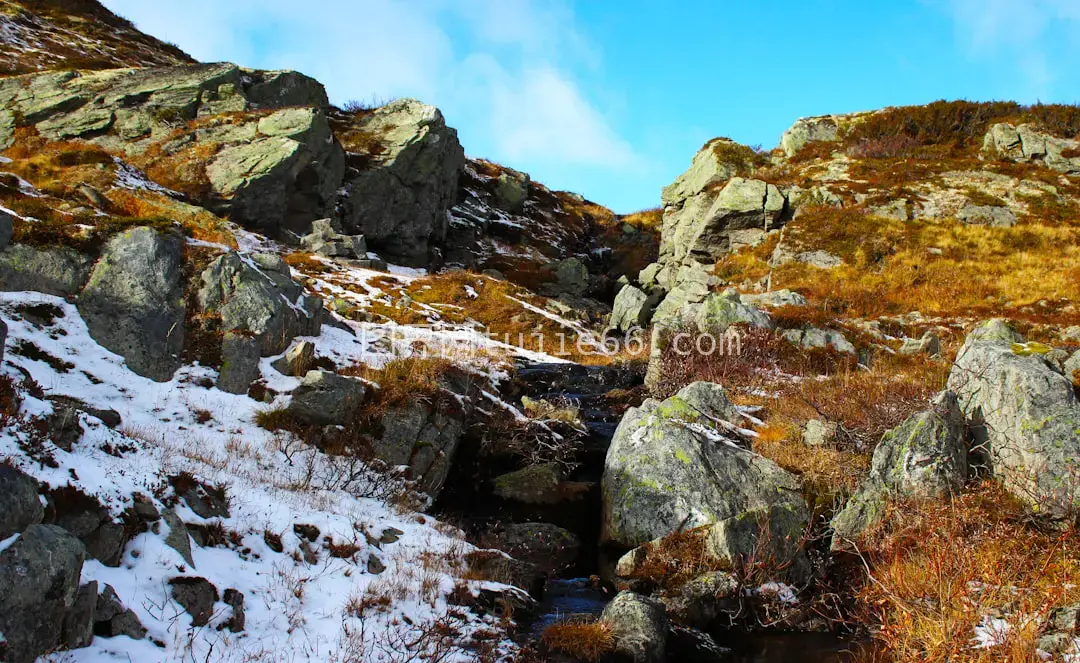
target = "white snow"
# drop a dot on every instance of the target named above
(295, 611)
(8, 542)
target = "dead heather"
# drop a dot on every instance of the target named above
(939, 569)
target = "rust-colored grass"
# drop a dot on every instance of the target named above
(582, 639)
(940, 568)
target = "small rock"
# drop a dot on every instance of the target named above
(375, 565)
(178, 538)
(818, 432)
(239, 362)
(325, 398)
(298, 360)
(929, 344)
(307, 532)
(639, 626)
(197, 596)
(235, 600)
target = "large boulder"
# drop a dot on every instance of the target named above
(1027, 142)
(39, 583)
(282, 178)
(20, 505)
(133, 303)
(325, 398)
(424, 433)
(678, 464)
(711, 224)
(259, 299)
(400, 198)
(1024, 416)
(56, 271)
(633, 309)
(639, 626)
(823, 128)
(924, 457)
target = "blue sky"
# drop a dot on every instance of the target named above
(612, 98)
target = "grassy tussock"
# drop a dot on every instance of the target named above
(581, 639)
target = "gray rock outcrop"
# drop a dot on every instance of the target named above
(133, 303)
(56, 271)
(1026, 142)
(677, 464)
(807, 130)
(21, 503)
(399, 200)
(325, 398)
(1024, 417)
(326, 239)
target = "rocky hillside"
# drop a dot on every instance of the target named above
(287, 381)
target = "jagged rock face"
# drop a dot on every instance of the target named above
(708, 225)
(807, 130)
(269, 171)
(1027, 143)
(1024, 413)
(133, 303)
(22, 507)
(673, 465)
(258, 299)
(399, 201)
(286, 175)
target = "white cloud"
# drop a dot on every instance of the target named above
(498, 68)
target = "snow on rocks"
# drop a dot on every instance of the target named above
(303, 600)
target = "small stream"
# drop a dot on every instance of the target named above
(585, 596)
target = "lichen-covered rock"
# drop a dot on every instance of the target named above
(924, 457)
(639, 626)
(253, 300)
(1026, 142)
(672, 466)
(298, 360)
(633, 309)
(287, 174)
(818, 339)
(39, 582)
(20, 505)
(399, 200)
(325, 398)
(710, 225)
(1025, 415)
(536, 484)
(996, 216)
(424, 434)
(722, 310)
(326, 239)
(240, 355)
(775, 299)
(928, 344)
(808, 130)
(133, 303)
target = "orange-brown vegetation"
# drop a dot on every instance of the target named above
(939, 568)
(585, 640)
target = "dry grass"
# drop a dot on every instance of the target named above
(888, 268)
(677, 559)
(940, 568)
(584, 640)
(401, 380)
